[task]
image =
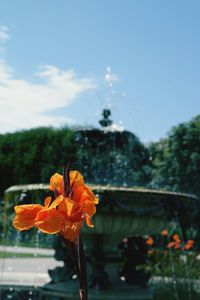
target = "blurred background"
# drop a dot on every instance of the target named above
(129, 69)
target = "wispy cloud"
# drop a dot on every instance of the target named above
(24, 104)
(4, 34)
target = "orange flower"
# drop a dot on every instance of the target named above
(189, 245)
(176, 238)
(174, 244)
(191, 242)
(177, 245)
(30, 215)
(150, 241)
(150, 252)
(65, 215)
(164, 232)
(171, 245)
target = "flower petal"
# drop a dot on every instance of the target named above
(56, 184)
(49, 221)
(91, 195)
(57, 201)
(26, 215)
(47, 202)
(88, 221)
(76, 178)
(78, 194)
(67, 206)
(71, 230)
(89, 208)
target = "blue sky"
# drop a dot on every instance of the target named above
(55, 54)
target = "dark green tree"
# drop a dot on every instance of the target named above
(31, 156)
(176, 160)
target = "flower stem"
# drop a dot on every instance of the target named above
(82, 270)
(77, 254)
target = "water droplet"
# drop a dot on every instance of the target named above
(108, 69)
(107, 77)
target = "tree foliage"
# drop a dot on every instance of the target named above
(31, 156)
(176, 160)
(173, 163)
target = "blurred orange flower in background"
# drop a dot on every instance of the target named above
(171, 245)
(174, 244)
(150, 241)
(176, 238)
(164, 232)
(66, 214)
(189, 245)
(177, 246)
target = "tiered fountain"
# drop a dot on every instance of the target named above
(113, 162)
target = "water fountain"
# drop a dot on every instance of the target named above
(113, 161)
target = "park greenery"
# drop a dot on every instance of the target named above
(176, 159)
(172, 163)
(174, 265)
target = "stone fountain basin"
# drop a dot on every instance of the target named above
(122, 211)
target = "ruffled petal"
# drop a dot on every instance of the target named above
(56, 202)
(89, 208)
(88, 221)
(71, 230)
(78, 194)
(76, 178)
(26, 215)
(56, 184)
(49, 221)
(83, 193)
(91, 195)
(67, 206)
(47, 202)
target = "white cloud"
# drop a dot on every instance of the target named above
(24, 104)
